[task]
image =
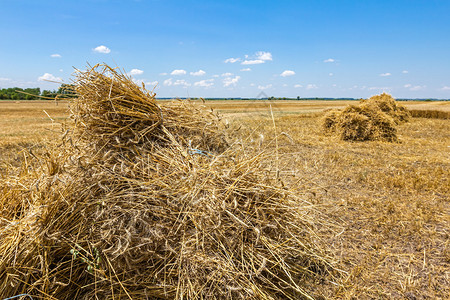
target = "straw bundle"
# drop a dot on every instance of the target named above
(362, 123)
(432, 114)
(372, 119)
(330, 120)
(144, 201)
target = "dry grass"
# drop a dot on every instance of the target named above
(278, 106)
(391, 199)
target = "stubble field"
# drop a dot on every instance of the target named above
(389, 203)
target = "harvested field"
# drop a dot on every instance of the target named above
(387, 205)
(428, 105)
(240, 107)
(27, 121)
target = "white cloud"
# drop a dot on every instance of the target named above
(264, 87)
(182, 82)
(231, 81)
(4, 79)
(287, 73)
(198, 73)
(405, 72)
(137, 81)
(246, 70)
(227, 74)
(102, 49)
(329, 60)
(215, 76)
(49, 77)
(383, 89)
(253, 62)
(56, 55)
(418, 88)
(285, 85)
(135, 72)
(147, 83)
(204, 83)
(168, 82)
(178, 72)
(231, 60)
(445, 88)
(330, 74)
(298, 86)
(262, 55)
(163, 74)
(385, 74)
(311, 86)
(415, 87)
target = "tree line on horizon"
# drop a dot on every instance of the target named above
(67, 91)
(16, 93)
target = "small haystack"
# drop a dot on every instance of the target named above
(149, 201)
(372, 119)
(387, 104)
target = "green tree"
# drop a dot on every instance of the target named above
(67, 90)
(46, 93)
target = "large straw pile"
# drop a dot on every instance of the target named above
(372, 119)
(143, 201)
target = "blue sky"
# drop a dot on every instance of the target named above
(318, 48)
